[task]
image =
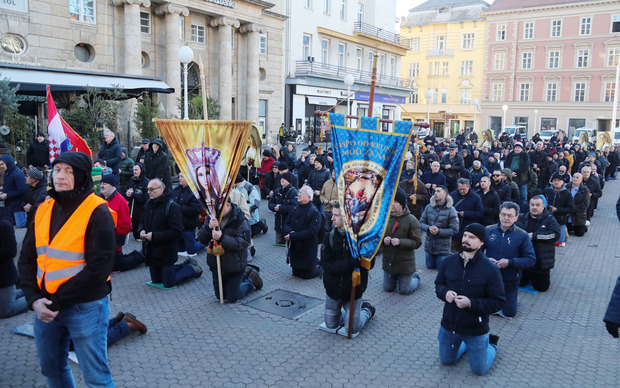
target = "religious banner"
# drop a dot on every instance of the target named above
(603, 139)
(368, 162)
(208, 154)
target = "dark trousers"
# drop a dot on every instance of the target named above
(512, 291)
(577, 230)
(235, 286)
(540, 279)
(171, 275)
(124, 262)
(307, 273)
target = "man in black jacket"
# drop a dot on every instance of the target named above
(190, 210)
(544, 231)
(560, 204)
(592, 183)
(472, 288)
(137, 195)
(38, 154)
(452, 164)
(518, 162)
(111, 151)
(500, 187)
(490, 201)
(282, 202)
(338, 265)
(36, 192)
(156, 163)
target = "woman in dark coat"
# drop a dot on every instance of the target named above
(156, 163)
(137, 196)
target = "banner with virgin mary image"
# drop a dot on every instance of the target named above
(368, 162)
(208, 153)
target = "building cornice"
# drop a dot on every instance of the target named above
(141, 3)
(275, 14)
(365, 41)
(535, 9)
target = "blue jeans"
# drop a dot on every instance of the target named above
(562, 233)
(117, 331)
(523, 195)
(434, 261)
(87, 325)
(512, 291)
(337, 314)
(480, 352)
(235, 286)
(187, 242)
(12, 302)
(407, 283)
(171, 275)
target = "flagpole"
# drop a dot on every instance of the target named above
(203, 87)
(371, 99)
(351, 304)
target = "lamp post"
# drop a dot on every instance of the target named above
(349, 80)
(504, 108)
(449, 134)
(535, 120)
(475, 102)
(186, 55)
(614, 111)
(429, 96)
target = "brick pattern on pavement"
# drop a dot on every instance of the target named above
(557, 338)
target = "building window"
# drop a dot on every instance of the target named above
(360, 13)
(528, 30)
(614, 18)
(498, 61)
(306, 52)
(341, 52)
(326, 7)
(358, 58)
(554, 59)
(585, 25)
(551, 92)
(181, 28)
(414, 70)
(413, 96)
(382, 64)
(435, 96)
(371, 61)
(392, 66)
(465, 96)
(497, 92)
(436, 67)
(556, 28)
(468, 41)
(440, 44)
(444, 68)
(524, 92)
(582, 57)
(526, 61)
(500, 32)
(610, 90)
(325, 51)
(308, 3)
(612, 57)
(444, 96)
(145, 22)
(262, 43)
(343, 9)
(82, 11)
(198, 33)
(415, 44)
(467, 68)
(262, 113)
(580, 91)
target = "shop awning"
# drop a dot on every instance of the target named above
(327, 101)
(32, 80)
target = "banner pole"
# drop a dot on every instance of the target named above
(130, 217)
(351, 303)
(219, 278)
(203, 88)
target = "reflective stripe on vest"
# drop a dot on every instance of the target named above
(63, 257)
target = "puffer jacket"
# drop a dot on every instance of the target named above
(545, 232)
(562, 200)
(514, 245)
(287, 199)
(166, 227)
(235, 240)
(443, 216)
(338, 264)
(112, 154)
(126, 167)
(400, 260)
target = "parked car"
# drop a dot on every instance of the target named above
(546, 135)
(590, 131)
(512, 130)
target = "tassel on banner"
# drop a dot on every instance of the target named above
(356, 278)
(366, 263)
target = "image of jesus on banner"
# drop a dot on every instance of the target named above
(361, 185)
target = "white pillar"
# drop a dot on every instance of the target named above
(252, 78)
(225, 25)
(132, 36)
(173, 66)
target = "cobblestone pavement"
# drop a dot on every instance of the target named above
(557, 339)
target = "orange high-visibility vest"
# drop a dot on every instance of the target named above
(62, 258)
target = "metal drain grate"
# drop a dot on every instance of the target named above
(284, 303)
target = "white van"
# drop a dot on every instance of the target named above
(590, 131)
(512, 130)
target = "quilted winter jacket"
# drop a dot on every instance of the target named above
(445, 218)
(513, 244)
(545, 232)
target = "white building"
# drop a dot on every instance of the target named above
(328, 39)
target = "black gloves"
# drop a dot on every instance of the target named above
(612, 328)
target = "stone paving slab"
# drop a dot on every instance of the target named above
(557, 338)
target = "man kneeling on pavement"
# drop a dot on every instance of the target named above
(471, 287)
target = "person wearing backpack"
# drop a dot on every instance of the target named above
(301, 231)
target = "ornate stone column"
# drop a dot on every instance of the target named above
(225, 25)
(132, 36)
(252, 77)
(173, 67)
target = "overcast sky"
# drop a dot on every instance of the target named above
(403, 6)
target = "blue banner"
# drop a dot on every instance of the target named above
(368, 163)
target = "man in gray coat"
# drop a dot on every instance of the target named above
(440, 222)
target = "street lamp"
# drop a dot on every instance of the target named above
(475, 102)
(535, 120)
(429, 96)
(186, 55)
(349, 80)
(449, 134)
(504, 108)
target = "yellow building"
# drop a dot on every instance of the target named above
(445, 62)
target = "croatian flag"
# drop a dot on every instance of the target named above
(62, 137)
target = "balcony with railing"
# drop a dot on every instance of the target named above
(439, 52)
(305, 68)
(381, 34)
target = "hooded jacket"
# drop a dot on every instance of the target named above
(14, 187)
(126, 167)
(562, 200)
(156, 164)
(443, 216)
(287, 199)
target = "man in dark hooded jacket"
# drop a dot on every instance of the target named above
(137, 195)
(13, 189)
(156, 163)
(316, 179)
(38, 154)
(282, 203)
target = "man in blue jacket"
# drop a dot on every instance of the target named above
(510, 248)
(469, 208)
(472, 288)
(14, 188)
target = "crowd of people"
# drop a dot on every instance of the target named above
(493, 218)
